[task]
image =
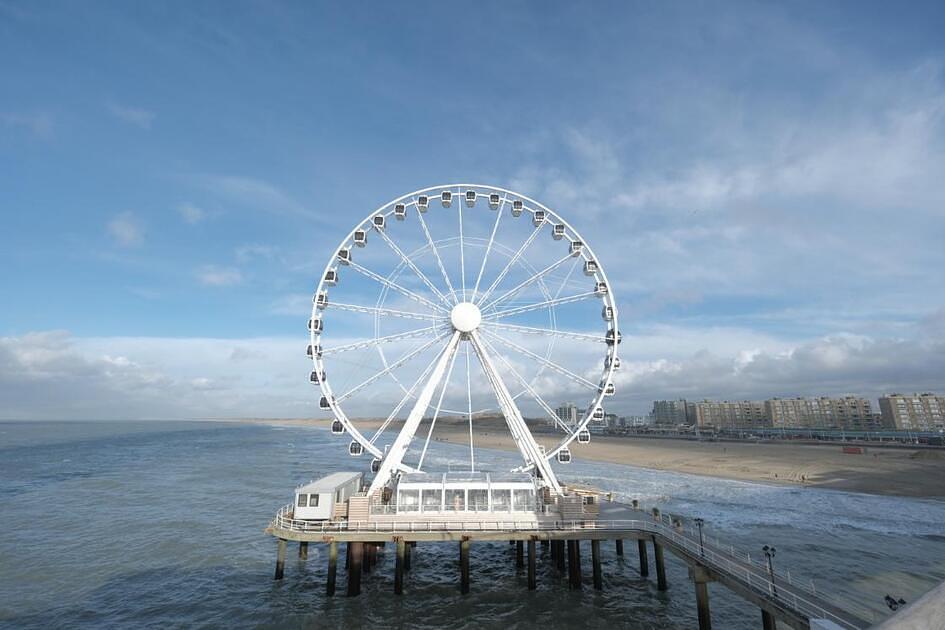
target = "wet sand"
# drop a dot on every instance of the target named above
(888, 471)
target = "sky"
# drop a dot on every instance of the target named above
(763, 183)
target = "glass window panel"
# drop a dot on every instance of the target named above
(456, 500)
(409, 500)
(431, 500)
(502, 500)
(303, 500)
(522, 501)
(313, 500)
(479, 500)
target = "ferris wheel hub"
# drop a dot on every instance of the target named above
(465, 317)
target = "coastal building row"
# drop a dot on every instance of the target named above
(916, 412)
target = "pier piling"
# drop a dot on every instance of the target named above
(407, 553)
(531, 565)
(464, 565)
(559, 557)
(619, 546)
(280, 560)
(700, 578)
(595, 561)
(644, 561)
(303, 550)
(354, 568)
(519, 554)
(332, 568)
(660, 566)
(399, 567)
(767, 621)
(574, 565)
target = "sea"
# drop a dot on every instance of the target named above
(161, 524)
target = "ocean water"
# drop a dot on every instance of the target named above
(160, 524)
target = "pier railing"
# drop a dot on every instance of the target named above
(728, 562)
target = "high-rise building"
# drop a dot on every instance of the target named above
(918, 412)
(567, 412)
(850, 412)
(669, 412)
(739, 414)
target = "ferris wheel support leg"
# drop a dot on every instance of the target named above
(392, 461)
(513, 417)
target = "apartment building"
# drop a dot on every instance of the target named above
(849, 412)
(916, 412)
(725, 414)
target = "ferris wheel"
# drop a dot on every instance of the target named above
(460, 303)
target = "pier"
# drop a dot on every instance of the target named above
(780, 600)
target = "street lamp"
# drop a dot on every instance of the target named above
(699, 522)
(769, 554)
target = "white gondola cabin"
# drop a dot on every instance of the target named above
(584, 436)
(481, 492)
(576, 248)
(600, 288)
(337, 427)
(564, 455)
(355, 448)
(315, 326)
(610, 337)
(378, 221)
(607, 313)
(400, 211)
(517, 208)
(608, 389)
(557, 232)
(423, 202)
(331, 277)
(494, 201)
(360, 238)
(321, 300)
(446, 198)
(313, 351)
(324, 403)
(598, 414)
(538, 218)
(612, 361)
(344, 256)
(316, 377)
(590, 267)
(470, 198)
(316, 500)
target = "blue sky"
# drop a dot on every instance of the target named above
(766, 180)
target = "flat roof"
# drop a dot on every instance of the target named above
(466, 477)
(329, 483)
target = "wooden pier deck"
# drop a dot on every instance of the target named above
(780, 599)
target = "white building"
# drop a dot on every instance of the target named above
(317, 499)
(568, 413)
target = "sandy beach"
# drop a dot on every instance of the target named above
(888, 471)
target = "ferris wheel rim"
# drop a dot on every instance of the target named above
(587, 253)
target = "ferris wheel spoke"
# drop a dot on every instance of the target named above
(414, 267)
(513, 417)
(395, 456)
(495, 226)
(534, 394)
(551, 364)
(374, 310)
(525, 283)
(418, 332)
(406, 397)
(393, 366)
(439, 405)
(472, 454)
(549, 332)
(436, 254)
(539, 305)
(508, 265)
(396, 287)
(462, 248)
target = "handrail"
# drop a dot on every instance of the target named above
(754, 575)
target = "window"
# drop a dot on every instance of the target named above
(479, 500)
(409, 501)
(431, 500)
(522, 500)
(501, 500)
(313, 500)
(455, 500)
(303, 500)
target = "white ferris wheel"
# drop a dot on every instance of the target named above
(459, 303)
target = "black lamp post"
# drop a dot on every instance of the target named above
(769, 554)
(699, 522)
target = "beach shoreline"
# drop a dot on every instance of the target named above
(880, 471)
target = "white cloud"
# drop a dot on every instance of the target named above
(132, 115)
(212, 275)
(126, 230)
(254, 193)
(190, 213)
